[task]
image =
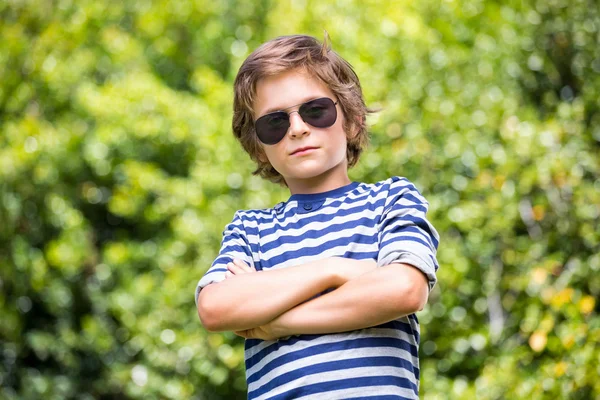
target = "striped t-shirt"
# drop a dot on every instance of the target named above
(384, 221)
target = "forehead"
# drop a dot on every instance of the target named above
(287, 89)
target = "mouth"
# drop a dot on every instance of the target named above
(303, 150)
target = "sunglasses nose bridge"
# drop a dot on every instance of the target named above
(297, 124)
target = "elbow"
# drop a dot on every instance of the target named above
(207, 312)
(420, 303)
(207, 321)
(411, 298)
(417, 297)
(413, 292)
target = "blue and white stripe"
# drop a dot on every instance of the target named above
(384, 221)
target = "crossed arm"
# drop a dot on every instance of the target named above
(279, 303)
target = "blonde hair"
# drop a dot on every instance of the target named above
(285, 53)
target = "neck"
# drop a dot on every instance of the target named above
(325, 182)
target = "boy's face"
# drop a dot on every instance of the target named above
(310, 159)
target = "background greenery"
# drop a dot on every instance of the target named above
(118, 172)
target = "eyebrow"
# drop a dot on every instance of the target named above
(276, 109)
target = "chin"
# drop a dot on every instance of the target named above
(312, 169)
(303, 176)
(309, 173)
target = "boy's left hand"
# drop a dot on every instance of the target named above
(237, 267)
(261, 332)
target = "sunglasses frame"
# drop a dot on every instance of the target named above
(288, 116)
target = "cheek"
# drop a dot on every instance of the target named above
(342, 138)
(343, 148)
(269, 155)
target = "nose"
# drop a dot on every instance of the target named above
(298, 127)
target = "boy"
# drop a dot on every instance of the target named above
(324, 286)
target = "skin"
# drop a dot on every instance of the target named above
(251, 300)
(319, 170)
(279, 303)
(377, 296)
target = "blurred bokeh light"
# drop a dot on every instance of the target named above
(118, 172)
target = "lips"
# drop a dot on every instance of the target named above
(302, 149)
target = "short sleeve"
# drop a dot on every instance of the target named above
(234, 245)
(405, 235)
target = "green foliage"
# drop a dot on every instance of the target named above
(118, 172)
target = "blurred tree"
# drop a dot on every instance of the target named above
(118, 172)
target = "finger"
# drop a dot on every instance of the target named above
(235, 269)
(243, 265)
(228, 274)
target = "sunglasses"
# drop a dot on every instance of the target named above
(272, 127)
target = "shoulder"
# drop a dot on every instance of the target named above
(255, 215)
(390, 187)
(397, 191)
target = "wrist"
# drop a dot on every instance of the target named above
(336, 271)
(278, 328)
(343, 269)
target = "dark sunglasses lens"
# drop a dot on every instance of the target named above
(320, 113)
(271, 128)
